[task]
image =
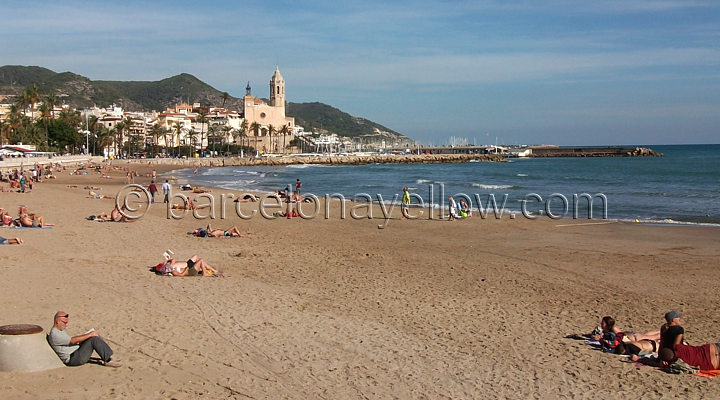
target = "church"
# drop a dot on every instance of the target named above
(268, 116)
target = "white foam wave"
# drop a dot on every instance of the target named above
(666, 221)
(522, 175)
(482, 186)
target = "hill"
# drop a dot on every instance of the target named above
(79, 91)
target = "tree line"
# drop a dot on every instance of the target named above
(64, 132)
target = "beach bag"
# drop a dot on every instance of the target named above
(609, 342)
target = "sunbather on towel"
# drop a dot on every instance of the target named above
(33, 220)
(232, 231)
(194, 266)
(612, 336)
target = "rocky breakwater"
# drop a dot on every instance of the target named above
(319, 159)
(373, 159)
(643, 152)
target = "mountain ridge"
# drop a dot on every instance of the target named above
(80, 91)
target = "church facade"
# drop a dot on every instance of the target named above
(270, 118)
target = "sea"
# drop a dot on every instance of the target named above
(682, 187)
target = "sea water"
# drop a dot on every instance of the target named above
(681, 187)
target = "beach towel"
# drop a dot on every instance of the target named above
(31, 227)
(710, 373)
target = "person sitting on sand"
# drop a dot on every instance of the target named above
(194, 266)
(296, 198)
(76, 350)
(189, 205)
(464, 211)
(11, 241)
(117, 216)
(674, 346)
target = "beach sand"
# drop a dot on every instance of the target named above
(335, 309)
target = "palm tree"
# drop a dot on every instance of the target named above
(255, 128)
(4, 131)
(128, 124)
(14, 119)
(225, 96)
(202, 118)
(118, 136)
(227, 134)
(177, 130)
(213, 135)
(192, 135)
(271, 131)
(284, 130)
(51, 101)
(44, 115)
(155, 131)
(30, 96)
(92, 126)
(244, 129)
(105, 138)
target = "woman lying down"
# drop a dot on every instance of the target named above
(194, 266)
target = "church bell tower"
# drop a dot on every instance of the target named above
(277, 89)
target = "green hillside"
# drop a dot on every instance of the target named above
(322, 117)
(79, 91)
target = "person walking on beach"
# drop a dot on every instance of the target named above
(405, 203)
(152, 189)
(453, 209)
(76, 350)
(298, 185)
(166, 190)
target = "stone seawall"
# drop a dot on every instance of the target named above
(593, 152)
(324, 160)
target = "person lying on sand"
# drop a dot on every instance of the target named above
(190, 205)
(706, 357)
(194, 266)
(117, 216)
(607, 324)
(247, 198)
(33, 220)
(197, 189)
(11, 241)
(232, 231)
(94, 195)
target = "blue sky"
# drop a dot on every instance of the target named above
(562, 72)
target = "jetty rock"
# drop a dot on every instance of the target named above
(644, 152)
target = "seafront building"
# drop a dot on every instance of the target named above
(262, 125)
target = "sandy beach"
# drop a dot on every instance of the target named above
(339, 309)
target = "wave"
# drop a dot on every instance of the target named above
(521, 175)
(301, 166)
(482, 186)
(420, 181)
(667, 221)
